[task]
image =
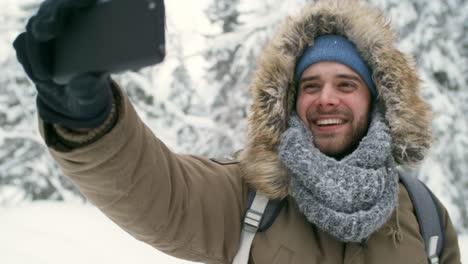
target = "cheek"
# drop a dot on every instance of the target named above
(301, 108)
(360, 108)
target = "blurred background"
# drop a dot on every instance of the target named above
(197, 102)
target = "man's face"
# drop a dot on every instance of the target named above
(334, 103)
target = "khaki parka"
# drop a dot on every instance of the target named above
(192, 207)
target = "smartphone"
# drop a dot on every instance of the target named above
(112, 36)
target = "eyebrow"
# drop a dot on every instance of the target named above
(341, 76)
(349, 76)
(310, 78)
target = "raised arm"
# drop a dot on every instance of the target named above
(187, 206)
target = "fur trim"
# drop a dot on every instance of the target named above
(273, 88)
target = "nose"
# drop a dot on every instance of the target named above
(328, 97)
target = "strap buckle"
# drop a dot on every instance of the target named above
(252, 220)
(433, 258)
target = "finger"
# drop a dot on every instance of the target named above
(39, 57)
(51, 91)
(51, 112)
(87, 85)
(91, 95)
(20, 46)
(51, 96)
(43, 26)
(52, 17)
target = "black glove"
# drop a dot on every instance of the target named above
(84, 102)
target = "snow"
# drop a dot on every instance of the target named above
(53, 233)
(57, 233)
(433, 32)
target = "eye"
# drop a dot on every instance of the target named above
(310, 87)
(347, 86)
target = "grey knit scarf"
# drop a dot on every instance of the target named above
(350, 198)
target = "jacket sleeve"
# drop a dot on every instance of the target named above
(451, 250)
(186, 206)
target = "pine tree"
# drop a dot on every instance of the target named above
(172, 99)
(27, 171)
(435, 34)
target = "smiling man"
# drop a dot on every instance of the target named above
(335, 91)
(336, 109)
(334, 102)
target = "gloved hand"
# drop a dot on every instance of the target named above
(86, 100)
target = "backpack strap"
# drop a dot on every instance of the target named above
(252, 220)
(260, 214)
(272, 210)
(428, 215)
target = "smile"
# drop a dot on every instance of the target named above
(328, 125)
(329, 121)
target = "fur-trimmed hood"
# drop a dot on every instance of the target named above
(273, 88)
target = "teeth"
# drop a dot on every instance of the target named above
(331, 121)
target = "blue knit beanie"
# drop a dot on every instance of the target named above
(335, 48)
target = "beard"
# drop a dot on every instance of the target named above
(339, 144)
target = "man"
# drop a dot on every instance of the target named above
(335, 109)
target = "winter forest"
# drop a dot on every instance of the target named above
(198, 99)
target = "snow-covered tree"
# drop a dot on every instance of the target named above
(434, 33)
(27, 172)
(197, 100)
